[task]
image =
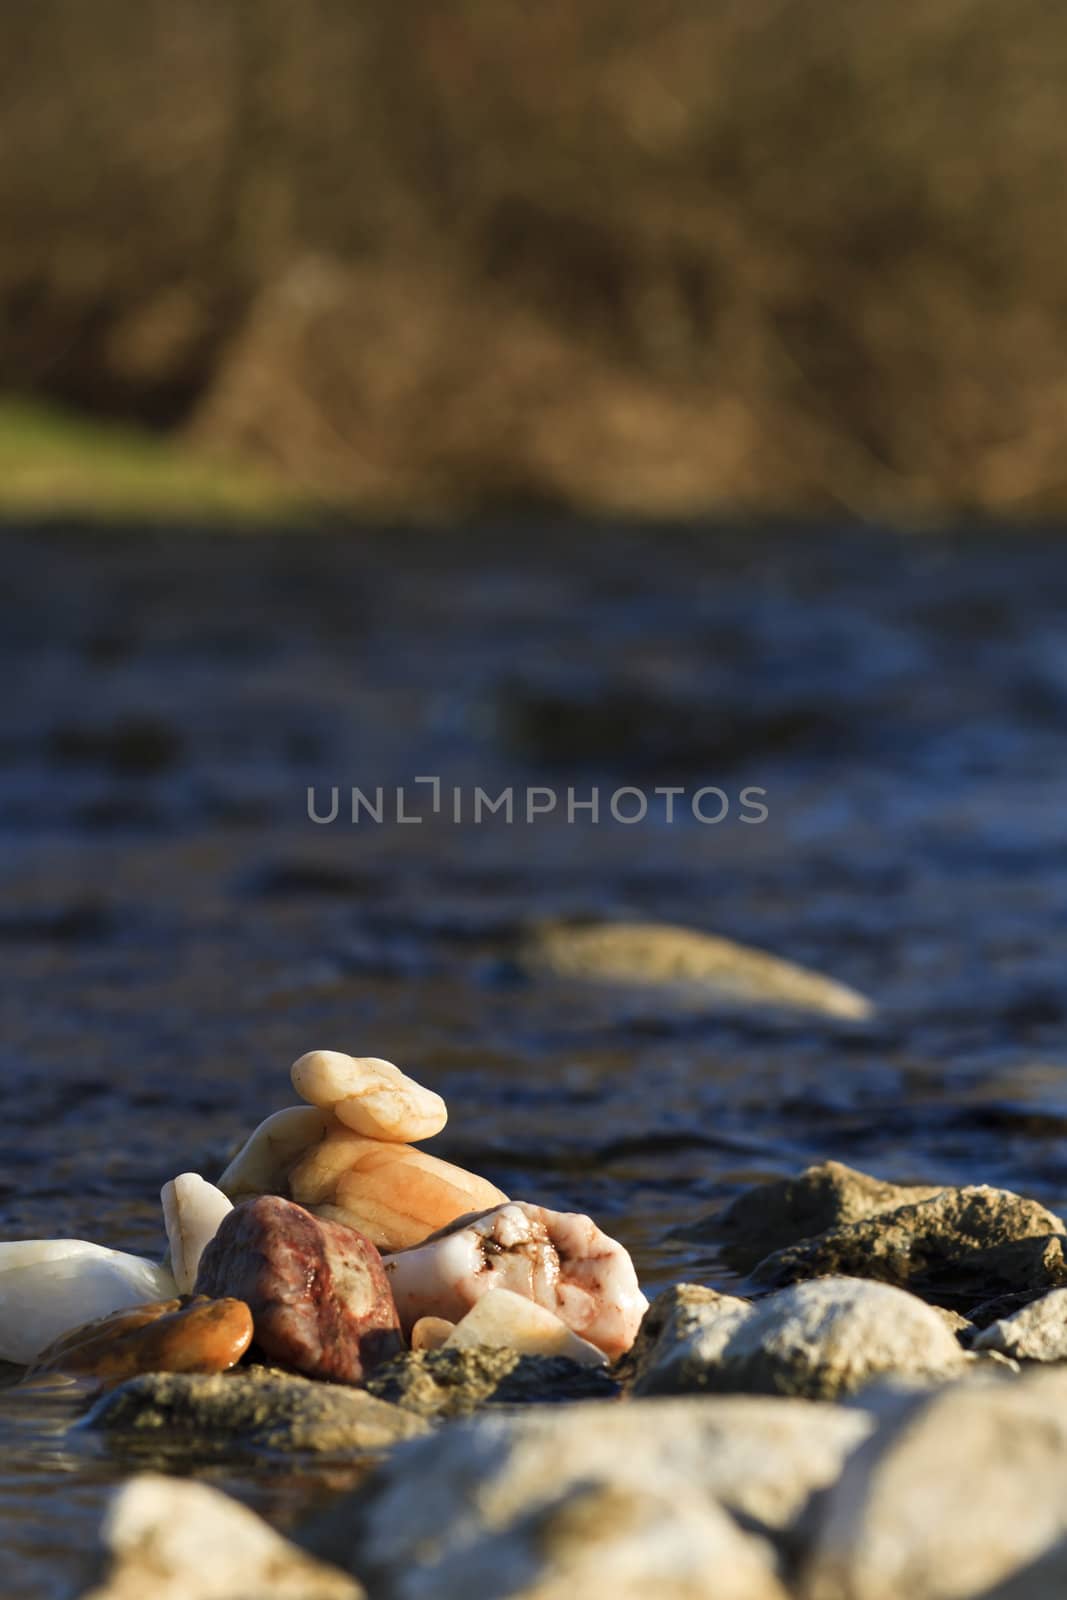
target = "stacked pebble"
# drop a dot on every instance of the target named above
(329, 1241)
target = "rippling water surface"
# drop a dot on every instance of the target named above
(175, 929)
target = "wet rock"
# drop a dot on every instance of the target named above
(559, 1259)
(178, 1540)
(817, 1340)
(396, 1195)
(684, 1331)
(506, 1321)
(700, 968)
(774, 1215)
(50, 1286)
(257, 1408)
(318, 1293)
(197, 1335)
(959, 1494)
(451, 1382)
(554, 1500)
(369, 1095)
(952, 1248)
(1038, 1332)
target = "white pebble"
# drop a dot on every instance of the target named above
(508, 1321)
(192, 1214)
(49, 1286)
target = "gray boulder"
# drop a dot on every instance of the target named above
(682, 1333)
(673, 1498)
(816, 1340)
(960, 1494)
(774, 1215)
(960, 1247)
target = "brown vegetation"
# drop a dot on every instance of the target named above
(663, 258)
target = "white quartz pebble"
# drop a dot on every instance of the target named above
(192, 1213)
(49, 1286)
(560, 1259)
(509, 1321)
(369, 1095)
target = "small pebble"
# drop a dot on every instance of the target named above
(192, 1213)
(369, 1095)
(430, 1333)
(198, 1335)
(320, 1299)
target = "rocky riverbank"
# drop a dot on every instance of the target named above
(851, 1435)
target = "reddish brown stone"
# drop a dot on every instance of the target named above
(320, 1298)
(198, 1335)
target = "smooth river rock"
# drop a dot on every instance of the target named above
(194, 1335)
(167, 1539)
(700, 969)
(50, 1286)
(772, 1216)
(958, 1248)
(192, 1215)
(960, 1494)
(318, 1293)
(678, 1498)
(257, 1408)
(369, 1095)
(394, 1194)
(263, 1163)
(819, 1340)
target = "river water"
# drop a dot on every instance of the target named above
(176, 929)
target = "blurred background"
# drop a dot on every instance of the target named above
(663, 259)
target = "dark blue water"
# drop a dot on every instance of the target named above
(175, 930)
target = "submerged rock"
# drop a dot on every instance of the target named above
(774, 1215)
(1037, 1332)
(319, 1296)
(451, 1382)
(956, 1248)
(558, 1259)
(818, 1340)
(699, 968)
(637, 1500)
(256, 1408)
(960, 1494)
(175, 1540)
(198, 1335)
(369, 1095)
(397, 1196)
(50, 1286)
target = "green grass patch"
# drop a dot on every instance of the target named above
(58, 461)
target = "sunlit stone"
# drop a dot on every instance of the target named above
(369, 1095)
(198, 1335)
(261, 1166)
(430, 1333)
(559, 1259)
(509, 1321)
(192, 1212)
(393, 1194)
(49, 1286)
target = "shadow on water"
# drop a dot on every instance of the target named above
(175, 930)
